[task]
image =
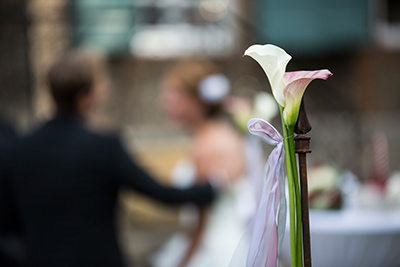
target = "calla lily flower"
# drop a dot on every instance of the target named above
(287, 87)
(273, 61)
(296, 83)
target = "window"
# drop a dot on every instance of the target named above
(387, 26)
(156, 29)
(168, 29)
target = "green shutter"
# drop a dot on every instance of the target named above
(104, 25)
(312, 26)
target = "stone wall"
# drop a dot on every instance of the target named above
(49, 37)
(15, 75)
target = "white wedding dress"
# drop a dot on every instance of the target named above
(226, 222)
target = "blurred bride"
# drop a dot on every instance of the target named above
(192, 96)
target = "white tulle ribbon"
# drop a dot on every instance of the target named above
(262, 241)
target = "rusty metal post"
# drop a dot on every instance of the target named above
(302, 147)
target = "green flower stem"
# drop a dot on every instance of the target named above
(299, 240)
(292, 207)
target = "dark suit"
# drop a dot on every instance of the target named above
(61, 185)
(11, 248)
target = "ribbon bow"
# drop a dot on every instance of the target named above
(264, 235)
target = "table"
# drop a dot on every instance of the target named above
(367, 238)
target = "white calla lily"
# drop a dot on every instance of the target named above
(273, 60)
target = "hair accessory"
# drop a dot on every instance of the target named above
(213, 88)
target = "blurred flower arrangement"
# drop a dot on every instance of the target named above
(243, 109)
(331, 187)
(324, 190)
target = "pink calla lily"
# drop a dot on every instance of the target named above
(296, 83)
(287, 87)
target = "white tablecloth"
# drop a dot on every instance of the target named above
(352, 238)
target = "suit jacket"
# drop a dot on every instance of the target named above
(11, 248)
(60, 184)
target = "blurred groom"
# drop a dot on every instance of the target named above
(59, 185)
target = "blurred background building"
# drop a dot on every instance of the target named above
(358, 40)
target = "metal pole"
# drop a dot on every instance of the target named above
(302, 147)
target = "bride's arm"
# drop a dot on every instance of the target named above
(195, 237)
(218, 154)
